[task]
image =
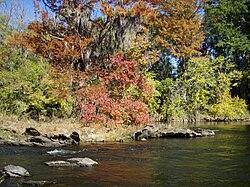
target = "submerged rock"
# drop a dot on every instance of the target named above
(85, 162)
(61, 152)
(37, 183)
(60, 163)
(72, 162)
(16, 171)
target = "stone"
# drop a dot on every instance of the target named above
(37, 140)
(150, 131)
(32, 132)
(15, 171)
(137, 134)
(119, 139)
(37, 183)
(205, 132)
(85, 162)
(75, 136)
(60, 164)
(73, 162)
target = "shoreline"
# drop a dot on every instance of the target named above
(64, 132)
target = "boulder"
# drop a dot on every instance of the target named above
(39, 140)
(151, 131)
(205, 132)
(60, 164)
(15, 171)
(75, 136)
(32, 132)
(73, 162)
(180, 132)
(85, 162)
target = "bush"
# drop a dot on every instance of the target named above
(23, 86)
(119, 96)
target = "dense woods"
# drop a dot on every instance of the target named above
(126, 62)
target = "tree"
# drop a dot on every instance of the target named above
(117, 97)
(84, 51)
(227, 34)
(202, 91)
(76, 36)
(178, 29)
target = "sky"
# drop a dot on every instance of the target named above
(26, 4)
(29, 8)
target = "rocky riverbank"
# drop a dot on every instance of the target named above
(32, 137)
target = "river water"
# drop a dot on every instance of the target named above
(222, 160)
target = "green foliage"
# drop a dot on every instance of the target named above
(228, 108)
(201, 91)
(227, 24)
(166, 103)
(23, 86)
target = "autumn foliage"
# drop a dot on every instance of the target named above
(119, 96)
(113, 62)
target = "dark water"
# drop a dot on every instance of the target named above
(222, 160)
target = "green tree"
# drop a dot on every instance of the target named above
(227, 34)
(202, 91)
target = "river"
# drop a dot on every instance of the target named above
(222, 160)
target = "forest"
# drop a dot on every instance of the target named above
(126, 62)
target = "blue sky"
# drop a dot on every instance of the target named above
(26, 4)
(30, 8)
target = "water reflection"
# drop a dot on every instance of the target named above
(219, 161)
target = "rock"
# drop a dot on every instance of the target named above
(62, 137)
(60, 164)
(119, 139)
(50, 141)
(205, 132)
(144, 139)
(180, 132)
(37, 183)
(75, 136)
(86, 162)
(151, 131)
(15, 171)
(73, 162)
(59, 137)
(39, 140)
(137, 134)
(32, 132)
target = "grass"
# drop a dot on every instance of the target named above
(65, 126)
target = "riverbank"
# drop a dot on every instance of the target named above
(59, 133)
(12, 127)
